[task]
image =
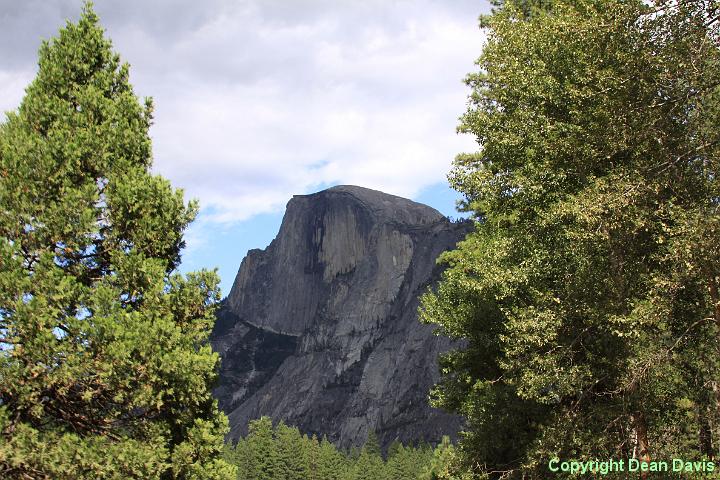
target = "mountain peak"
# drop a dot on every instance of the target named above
(383, 205)
(320, 329)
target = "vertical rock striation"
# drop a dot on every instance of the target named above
(320, 329)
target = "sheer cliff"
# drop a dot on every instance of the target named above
(320, 329)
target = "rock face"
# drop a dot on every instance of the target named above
(320, 329)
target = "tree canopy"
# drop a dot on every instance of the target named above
(588, 292)
(105, 367)
(281, 452)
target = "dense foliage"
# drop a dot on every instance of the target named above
(281, 452)
(588, 293)
(105, 367)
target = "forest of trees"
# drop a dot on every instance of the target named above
(588, 295)
(280, 452)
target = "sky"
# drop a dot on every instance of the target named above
(259, 100)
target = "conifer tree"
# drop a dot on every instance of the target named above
(267, 453)
(403, 463)
(292, 449)
(105, 367)
(262, 450)
(312, 455)
(372, 445)
(330, 461)
(240, 456)
(370, 465)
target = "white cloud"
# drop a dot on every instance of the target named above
(12, 89)
(260, 100)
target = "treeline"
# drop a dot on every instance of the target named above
(281, 452)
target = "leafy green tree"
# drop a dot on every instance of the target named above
(588, 293)
(105, 366)
(442, 463)
(524, 8)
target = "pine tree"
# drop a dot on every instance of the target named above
(240, 456)
(330, 461)
(105, 366)
(370, 465)
(291, 453)
(311, 453)
(262, 448)
(281, 453)
(404, 463)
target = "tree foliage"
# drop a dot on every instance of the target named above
(281, 452)
(105, 367)
(588, 293)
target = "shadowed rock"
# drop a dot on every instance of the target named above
(320, 329)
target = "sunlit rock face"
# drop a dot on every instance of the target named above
(320, 329)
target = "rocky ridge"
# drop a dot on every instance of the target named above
(320, 329)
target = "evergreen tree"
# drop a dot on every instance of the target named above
(105, 366)
(588, 293)
(370, 465)
(312, 456)
(372, 445)
(281, 453)
(240, 456)
(330, 461)
(404, 463)
(292, 448)
(263, 456)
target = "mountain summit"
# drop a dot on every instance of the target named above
(320, 329)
